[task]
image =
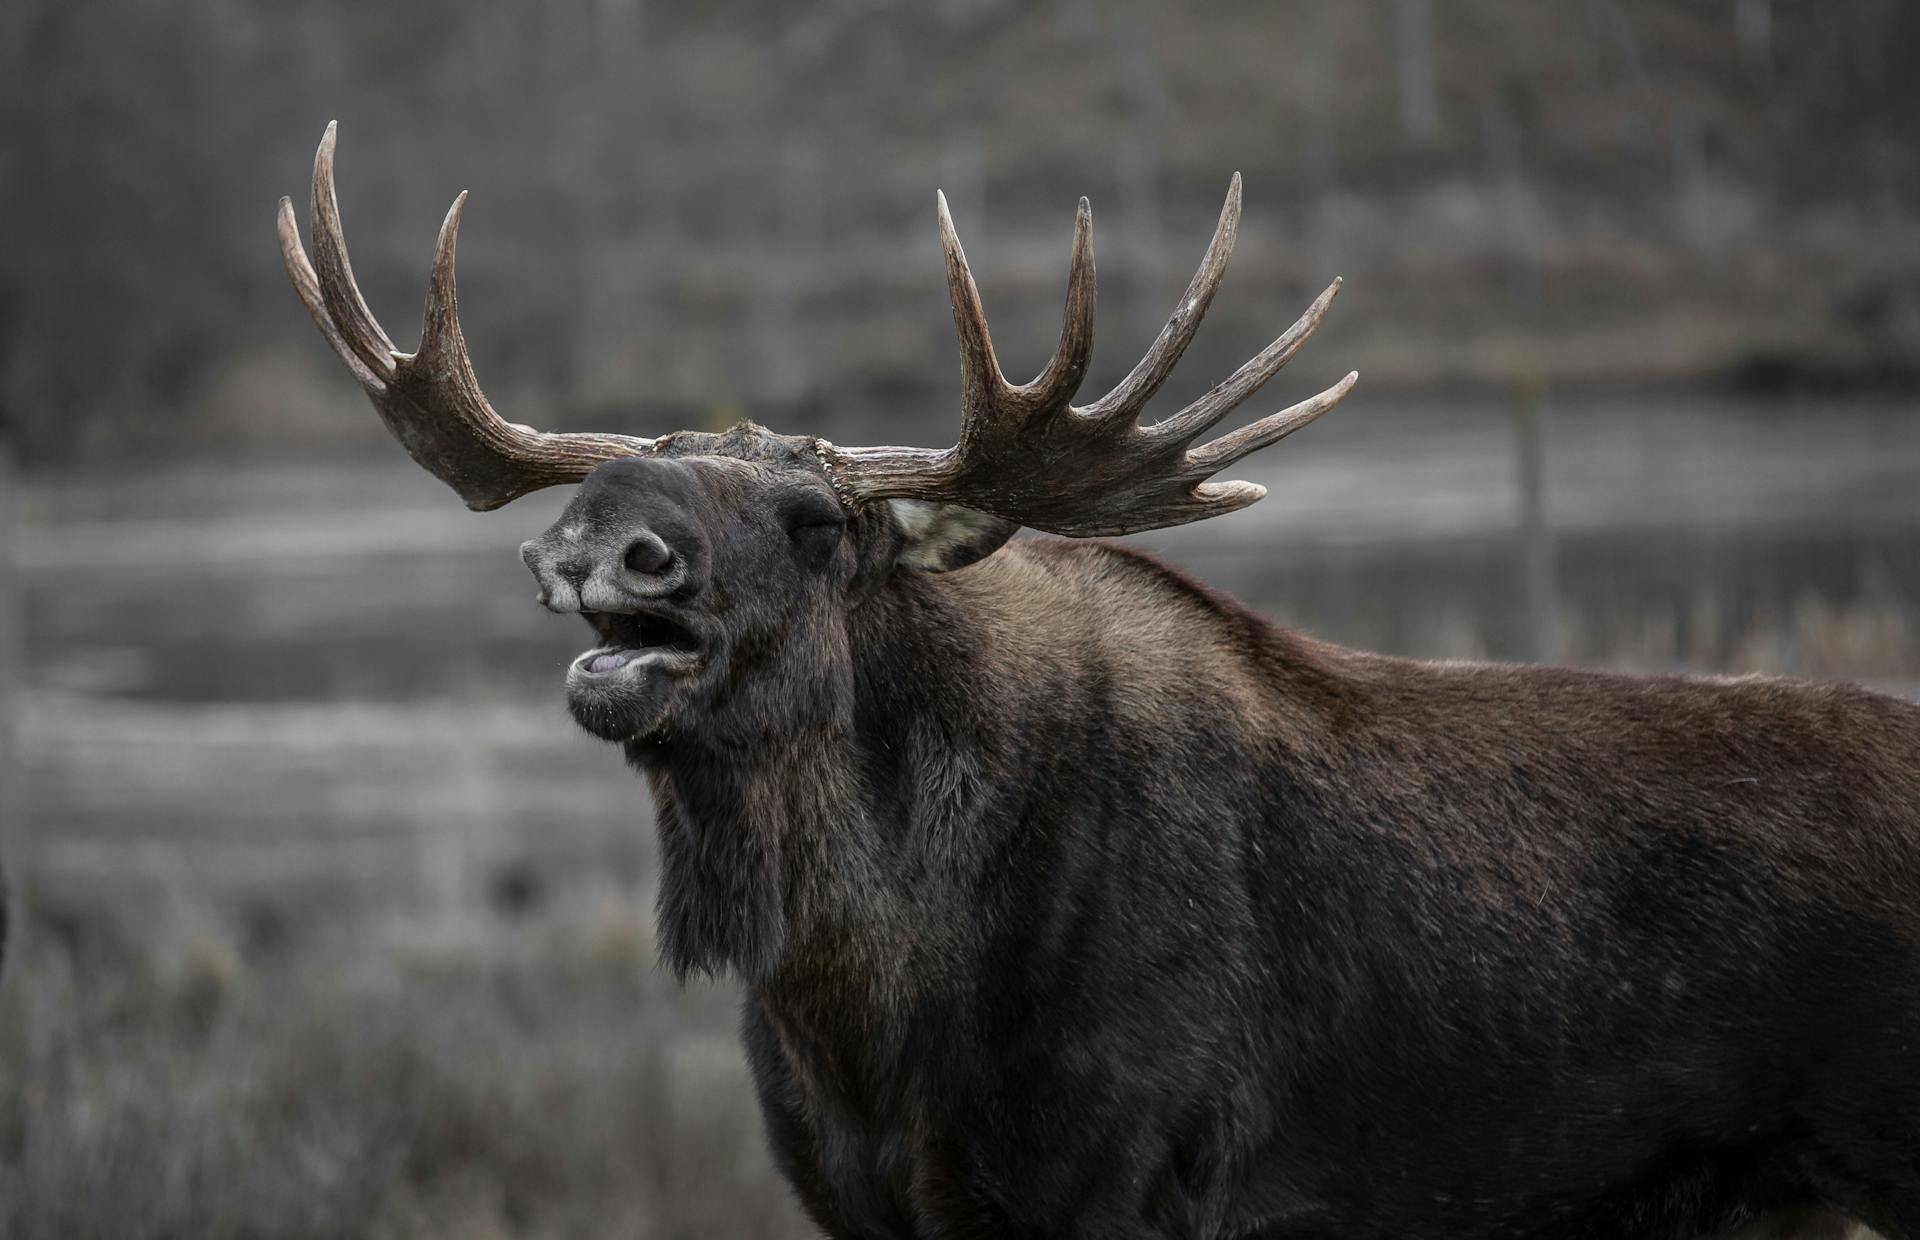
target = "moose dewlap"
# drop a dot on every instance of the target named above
(1071, 898)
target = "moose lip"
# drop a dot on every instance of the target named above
(633, 641)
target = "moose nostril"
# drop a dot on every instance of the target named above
(648, 555)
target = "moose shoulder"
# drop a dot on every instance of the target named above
(1072, 898)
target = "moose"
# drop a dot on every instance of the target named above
(1069, 897)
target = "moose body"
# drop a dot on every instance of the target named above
(1071, 898)
(1110, 910)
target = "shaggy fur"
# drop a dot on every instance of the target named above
(1071, 898)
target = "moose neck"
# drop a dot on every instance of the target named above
(811, 859)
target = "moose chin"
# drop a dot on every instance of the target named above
(1069, 897)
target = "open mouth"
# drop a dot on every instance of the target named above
(637, 639)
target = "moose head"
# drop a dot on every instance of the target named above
(717, 570)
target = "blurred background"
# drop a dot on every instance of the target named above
(330, 923)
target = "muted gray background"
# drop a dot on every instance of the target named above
(330, 922)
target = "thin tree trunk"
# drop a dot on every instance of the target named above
(1413, 47)
(13, 805)
(1539, 569)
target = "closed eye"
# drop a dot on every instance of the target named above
(813, 530)
(810, 514)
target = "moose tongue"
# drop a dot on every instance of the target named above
(607, 662)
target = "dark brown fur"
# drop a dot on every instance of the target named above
(1072, 898)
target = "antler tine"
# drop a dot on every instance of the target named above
(443, 346)
(1214, 499)
(345, 305)
(1130, 396)
(1065, 371)
(1210, 458)
(430, 400)
(984, 387)
(1199, 417)
(307, 284)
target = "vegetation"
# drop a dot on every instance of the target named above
(540, 1081)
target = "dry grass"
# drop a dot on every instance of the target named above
(1873, 639)
(542, 1081)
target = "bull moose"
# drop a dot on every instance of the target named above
(1070, 897)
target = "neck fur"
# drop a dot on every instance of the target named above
(825, 857)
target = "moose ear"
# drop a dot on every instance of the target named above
(938, 538)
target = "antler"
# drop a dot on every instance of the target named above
(430, 399)
(1025, 453)
(1029, 455)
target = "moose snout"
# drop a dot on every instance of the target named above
(581, 569)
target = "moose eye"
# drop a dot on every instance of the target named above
(814, 523)
(808, 511)
(814, 544)
(824, 527)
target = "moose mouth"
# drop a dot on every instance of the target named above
(633, 641)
